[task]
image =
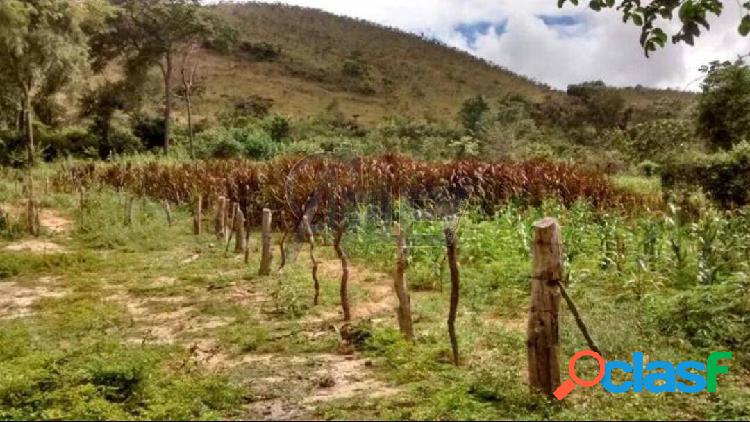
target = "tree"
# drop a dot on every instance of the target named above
(42, 49)
(603, 108)
(724, 104)
(472, 112)
(191, 85)
(692, 15)
(153, 32)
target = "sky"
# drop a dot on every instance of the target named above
(552, 45)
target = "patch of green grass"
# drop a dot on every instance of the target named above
(102, 224)
(638, 184)
(245, 336)
(24, 263)
(69, 362)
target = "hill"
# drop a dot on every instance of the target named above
(305, 60)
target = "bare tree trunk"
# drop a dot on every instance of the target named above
(29, 116)
(403, 311)
(21, 120)
(188, 81)
(311, 240)
(344, 288)
(265, 259)
(190, 123)
(167, 102)
(450, 241)
(542, 336)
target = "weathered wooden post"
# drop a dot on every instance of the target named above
(311, 239)
(197, 215)
(450, 242)
(129, 211)
(168, 211)
(32, 217)
(219, 220)
(239, 230)
(403, 311)
(543, 338)
(265, 258)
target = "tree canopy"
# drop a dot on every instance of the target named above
(650, 17)
(42, 49)
(723, 108)
(150, 33)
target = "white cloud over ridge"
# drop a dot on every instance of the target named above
(587, 46)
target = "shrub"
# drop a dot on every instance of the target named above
(121, 141)
(252, 106)
(278, 127)
(658, 139)
(648, 168)
(260, 51)
(227, 148)
(12, 149)
(355, 68)
(150, 130)
(708, 316)
(76, 141)
(246, 141)
(472, 113)
(724, 176)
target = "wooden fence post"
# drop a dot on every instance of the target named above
(450, 242)
(32, 217)
(197, 215)
(219, 222)
(543, 338)
(239, 230)
(265, 258)
(168, 211)
(344, 287)
(129, 211)
(403, 311)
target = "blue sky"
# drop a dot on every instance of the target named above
(552, 45)
(472, 31)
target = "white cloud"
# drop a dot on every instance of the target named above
(599, 47)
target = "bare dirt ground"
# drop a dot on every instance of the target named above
(283, 385)
(17, 301)
(51, 221)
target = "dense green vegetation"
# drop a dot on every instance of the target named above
(113, 128)
(672, 284)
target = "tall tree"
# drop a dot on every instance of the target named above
(192, 85)
(42, 49)
(692, 16)
(154, 32)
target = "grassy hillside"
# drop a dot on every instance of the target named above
(305, 60)
(371, 71)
